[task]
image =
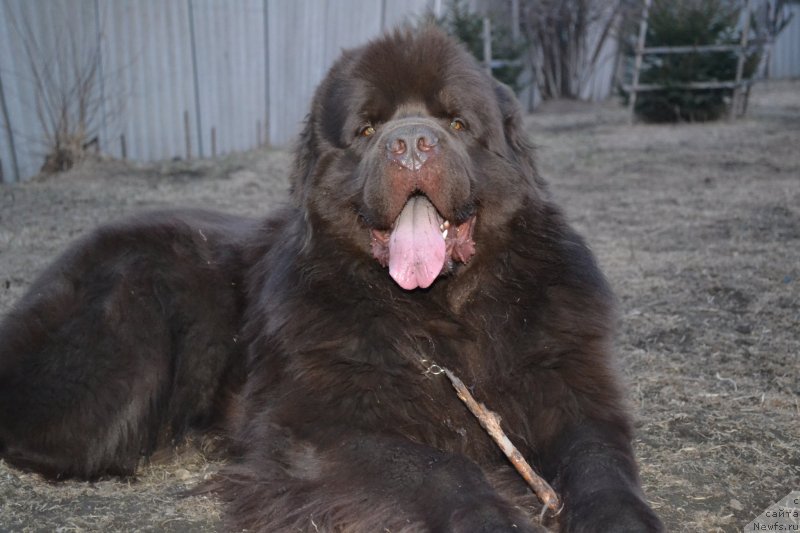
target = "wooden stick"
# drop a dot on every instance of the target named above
(490, 421)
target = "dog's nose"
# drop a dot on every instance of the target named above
(411, 145)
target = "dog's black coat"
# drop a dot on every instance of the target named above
(290, 333)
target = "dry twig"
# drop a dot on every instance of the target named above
(490, 421)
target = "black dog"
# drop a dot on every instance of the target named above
(420, 235)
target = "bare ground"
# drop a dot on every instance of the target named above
(697, 226)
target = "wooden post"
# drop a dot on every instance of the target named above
(639, 54)
(123, 147)
(258, 133)
(188, 134)
(213, 141)
(487, 45)
(736, 103)
(515, 21)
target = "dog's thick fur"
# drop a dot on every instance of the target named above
(291, 334)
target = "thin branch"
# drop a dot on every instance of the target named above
(490, 421)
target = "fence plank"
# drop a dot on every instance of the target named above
(639, 55)
(689, 85)
(651, 50)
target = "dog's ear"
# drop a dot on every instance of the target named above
(322, 128)
(516, 139)
(305, 156)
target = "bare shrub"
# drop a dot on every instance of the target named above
(566, 38)
(65, 72)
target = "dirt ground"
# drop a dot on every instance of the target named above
(696, 225)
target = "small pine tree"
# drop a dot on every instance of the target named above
(689, 23)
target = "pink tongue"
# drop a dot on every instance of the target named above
(416, 247)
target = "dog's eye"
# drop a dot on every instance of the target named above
(366, 131)
(458, 124)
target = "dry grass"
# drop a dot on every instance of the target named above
(697, 227)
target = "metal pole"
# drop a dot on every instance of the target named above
(101, 76)
(515, 21)
(196, 82)
(487, 45)
(266, 71)
(639, 54)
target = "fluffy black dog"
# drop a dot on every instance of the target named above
(420, 234)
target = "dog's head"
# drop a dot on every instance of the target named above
(413, 155)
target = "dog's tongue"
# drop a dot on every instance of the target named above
(416, 247)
